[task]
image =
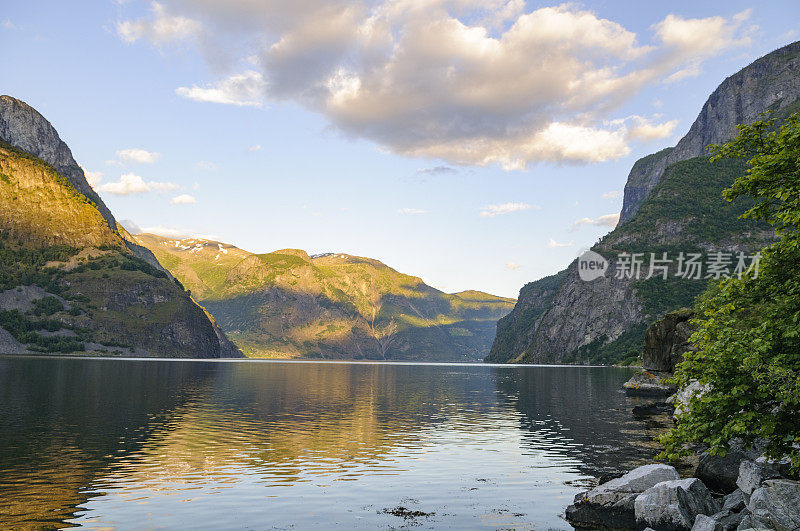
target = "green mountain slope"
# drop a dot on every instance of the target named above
(71, 283)
(289, 304)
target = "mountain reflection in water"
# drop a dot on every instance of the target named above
(146, 443)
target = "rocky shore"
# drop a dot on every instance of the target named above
(742, 490)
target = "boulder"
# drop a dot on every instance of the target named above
(734, 501)
(681, 399)
(752, 474)
(666, 341)
(650, 383)
(776, 505)
(720, 473)
(722, 521)
(611, 505)
(674, 505)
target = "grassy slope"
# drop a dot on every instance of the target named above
(100, 297)
(288, 304)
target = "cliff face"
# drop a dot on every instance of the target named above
(23, 127)
(672, 203)
(290, 304)
(69, 282)
(770, 83)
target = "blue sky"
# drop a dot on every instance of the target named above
(478, 145)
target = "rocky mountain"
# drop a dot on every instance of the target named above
(70, 279)
(672, 204)
(289, 304)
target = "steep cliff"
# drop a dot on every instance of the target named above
(290, 304)
(672, 204)
(69, 281)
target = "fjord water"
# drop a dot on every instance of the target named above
(134, 444)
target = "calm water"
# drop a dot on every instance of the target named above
(132, 444)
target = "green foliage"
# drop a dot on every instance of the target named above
(25, 330)
(47, 306)
(22, 267)
(748, 337)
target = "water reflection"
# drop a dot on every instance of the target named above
(202, 444)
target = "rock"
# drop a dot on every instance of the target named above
(612, 504)
(734, 501)
(720, 473)
(776, 505)
(666, 341)
(704, 523)
(649, 383)
(783, 466)
(674, 505)
(752, 474)
(682, 398)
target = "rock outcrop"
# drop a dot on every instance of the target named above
(611, 505)
(674, 505)
(600, 321)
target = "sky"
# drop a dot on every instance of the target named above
(475, 144)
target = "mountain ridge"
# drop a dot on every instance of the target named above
(562, 319)
(288, 304)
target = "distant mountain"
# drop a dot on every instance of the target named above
(672, 203)
(71, 280)
(289, 304)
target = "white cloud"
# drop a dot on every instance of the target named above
(242, 89)
(205, 165)
(645, 130)
(169, 232)
(553, 244)
(412, 211)
(161, 28)
(437, 170)
(140, 156)
(607, 220)
(256, 147)
(490, 211)
(468, 82)
(93, 177)
(513, 266)
(613, 194)
(7, 24)
(183, 199)
(131, 183)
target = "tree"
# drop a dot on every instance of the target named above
(748, 336)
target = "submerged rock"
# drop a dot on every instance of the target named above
(674, 505)
(611, 505)
(649, 383)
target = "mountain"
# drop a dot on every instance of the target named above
(289, 304)
(672, 204)
(71, 280)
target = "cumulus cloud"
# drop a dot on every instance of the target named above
(645, 130)
(168, 232)
(490, 211)
(183, 199)
(468, 82)
(131, 183)
(412, 211)
(139, 156)
(242, 89)
(256, 147)
(512, 266)
(613, 194)
(93, 177)
(608, 220)
(160, 28)
(553, 244)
